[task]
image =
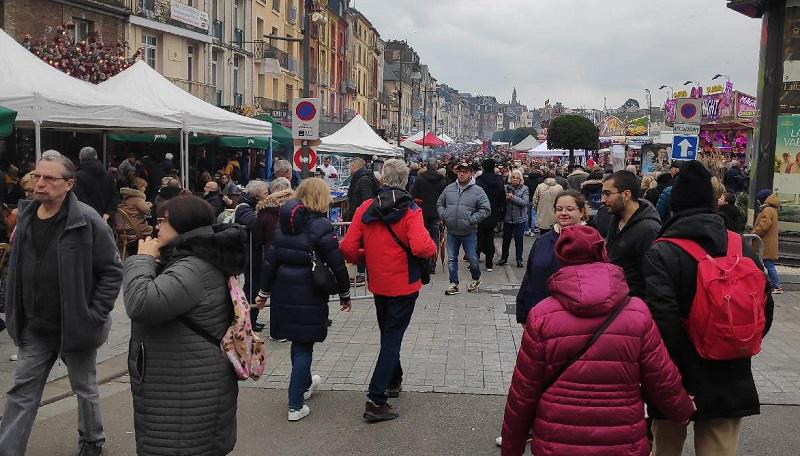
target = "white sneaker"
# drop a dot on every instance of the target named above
(315, 382)
(297, 415)
(498, 441)
(13, 357)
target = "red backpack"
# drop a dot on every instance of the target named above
(726, 320)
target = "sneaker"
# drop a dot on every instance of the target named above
(498, 441)
(394, 390)
(374, 412)
(278, 340)
(316, 380)
(297, 415)
(13, 357)
(519, 264)
(777, 290)
(502, 262)
(452, 289)
(90, 449)
(489, 269)
(473, 287)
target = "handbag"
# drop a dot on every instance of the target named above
(322, 278)
(424, 265)
(597, 333)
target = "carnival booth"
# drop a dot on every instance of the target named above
(726, 131)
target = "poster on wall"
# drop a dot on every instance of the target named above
(787, 170)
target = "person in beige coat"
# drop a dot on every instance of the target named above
(544, 199)
(137, 209)
(766, 226)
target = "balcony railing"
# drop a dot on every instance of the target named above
(205, 92)
(116, 3)
(238, 37)
(351, 85)
(292, 17)
(270, 105)
(324, 79)
(217, 29)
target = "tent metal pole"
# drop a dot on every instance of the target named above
(37, 126)
(180, 157)
(105, 149)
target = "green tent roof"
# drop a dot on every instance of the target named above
(234, 142)
(7, 118)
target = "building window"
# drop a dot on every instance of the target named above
(214, 68)
(276, 6)
(82, 29)
(190, 63)
(149, 49)
(147, 5)
(236, 63)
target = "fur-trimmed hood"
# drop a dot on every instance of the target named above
(275, 200)
(127, 192)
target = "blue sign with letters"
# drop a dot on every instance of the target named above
(684, 147)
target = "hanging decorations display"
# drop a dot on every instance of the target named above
(89, 60)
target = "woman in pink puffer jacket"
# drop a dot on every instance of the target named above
(596, 407)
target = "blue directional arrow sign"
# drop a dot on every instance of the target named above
(684, 147)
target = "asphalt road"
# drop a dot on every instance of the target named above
(430, 424)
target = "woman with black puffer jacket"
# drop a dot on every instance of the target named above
(299, 313)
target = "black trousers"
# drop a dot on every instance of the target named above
(486, 243)
(394, 315)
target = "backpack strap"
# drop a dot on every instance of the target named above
(692, 248)
(734, 244)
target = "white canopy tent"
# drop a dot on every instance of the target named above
(446, 138)
(542, 151)
(410, 144)
(145, 84)
(47, 98)
(358, 138)
(527, 144)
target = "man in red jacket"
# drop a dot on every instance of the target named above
(393, 274)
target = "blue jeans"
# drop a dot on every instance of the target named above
(518, 231)
(300, 379)
(531, 219)
(772, 273)
(394, 315)
(470, 244)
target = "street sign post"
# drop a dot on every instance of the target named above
(684, 147)
(686, 129)
(305, 126)
(688, 111)
(309, 161)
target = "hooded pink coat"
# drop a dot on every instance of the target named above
(597, 405)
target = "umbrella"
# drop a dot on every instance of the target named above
(7, 118)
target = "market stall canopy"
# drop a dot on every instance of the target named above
(279, 133)
(527, 144)
(143, 83)
(232, 142)
(447, 139)
(542, 151)
(358, 138)
(409, 142)
(39, 92)
(7, 117)
(430, 140)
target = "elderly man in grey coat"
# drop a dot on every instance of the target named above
(64, 277)
(463, 205)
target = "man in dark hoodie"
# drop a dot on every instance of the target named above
(388, 232)
(494, 186)
(724, 391)
(363, 187)
(633, 227)
(425, 191)
(94, 186)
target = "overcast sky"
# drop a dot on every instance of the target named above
(573, 51)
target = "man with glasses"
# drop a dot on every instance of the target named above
(64, 277)
(633, 227)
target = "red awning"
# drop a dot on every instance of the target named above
(431, 140)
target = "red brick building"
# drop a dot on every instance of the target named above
(33, 17)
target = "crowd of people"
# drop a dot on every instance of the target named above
(609, 282)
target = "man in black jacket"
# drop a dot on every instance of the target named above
(632, 229)
(214, 197)
(532, 180)
(94, 186)
(724, 390)
(64, 276)
(426, 190)
(491, 183)
(363, 186)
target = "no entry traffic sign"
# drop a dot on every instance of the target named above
(305, 121)
(297, 159)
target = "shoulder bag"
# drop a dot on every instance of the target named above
(424, 271)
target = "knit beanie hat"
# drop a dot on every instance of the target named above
(580, 244)
(692, 188)
(762, 195)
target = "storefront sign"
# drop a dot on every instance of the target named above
(188, 15)
(717, 106)
(715, 89)
(681, 94)
(745, 106)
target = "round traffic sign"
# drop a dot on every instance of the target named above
(305, 111)
(297, 159)
(688, 111)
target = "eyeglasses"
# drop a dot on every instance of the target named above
(608, 193)
(566, 209)
(47, 179)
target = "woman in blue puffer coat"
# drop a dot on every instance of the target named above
(298, 312)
